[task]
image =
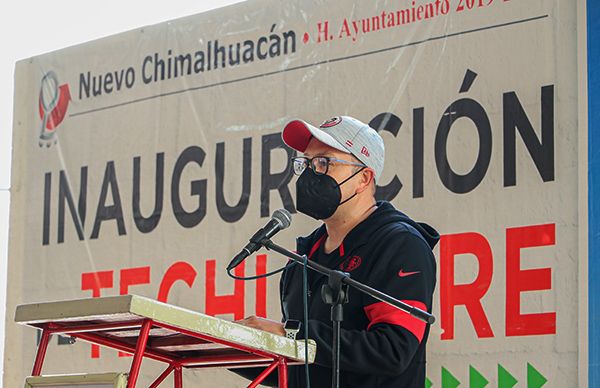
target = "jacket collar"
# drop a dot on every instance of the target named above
(360, 235)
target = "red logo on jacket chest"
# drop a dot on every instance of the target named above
(351, 263)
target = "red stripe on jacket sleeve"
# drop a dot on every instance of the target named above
(382, 312)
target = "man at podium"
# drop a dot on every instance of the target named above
(378, 245)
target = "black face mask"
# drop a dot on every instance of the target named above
(319, 196)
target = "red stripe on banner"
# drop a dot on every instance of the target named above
(382, 312)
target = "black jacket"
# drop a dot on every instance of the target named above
(380, 345)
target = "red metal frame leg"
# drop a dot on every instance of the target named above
(139, 353)
(282, 369)
(163, 376)
(263, 375)
(178, 377)
(41, 353)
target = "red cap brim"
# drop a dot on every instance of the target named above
(296, 135)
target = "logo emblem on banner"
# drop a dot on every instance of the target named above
(52, 104)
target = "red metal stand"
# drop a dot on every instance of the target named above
(139, 353)
(178, 377)
(162, 377)
(264, 374)
(93, 333)
(282, 369)
(41, 353)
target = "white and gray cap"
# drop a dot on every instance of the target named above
(343, 133)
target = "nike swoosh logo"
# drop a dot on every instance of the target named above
(402, 274)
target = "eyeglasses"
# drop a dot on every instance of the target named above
(319, 164)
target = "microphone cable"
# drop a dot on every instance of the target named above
(305, 306)
(265, 275)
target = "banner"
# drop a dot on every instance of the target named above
(143, 162)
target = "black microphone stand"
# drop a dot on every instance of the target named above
(335, 294)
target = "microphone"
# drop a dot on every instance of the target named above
(280, 219)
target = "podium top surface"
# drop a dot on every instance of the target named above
(180, 333)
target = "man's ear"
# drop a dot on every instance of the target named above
(367, 176)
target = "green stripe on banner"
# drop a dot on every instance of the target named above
(428, 383)
(505, 379)
(476, 379)
(449, 381)
(534, 378)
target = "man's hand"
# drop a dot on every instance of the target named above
(263, 324)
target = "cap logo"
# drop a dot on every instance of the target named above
(365, 151)
(331, 122)
(349, 143)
